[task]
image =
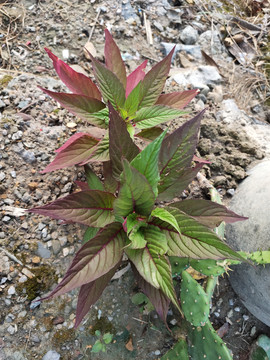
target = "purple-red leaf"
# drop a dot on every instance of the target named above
(156, 296)
(91, 208)
(76, 150)
(90, 293)
(154, 81)
(178, 99)
(82, 185)
(207, 212)
(120, 145)
(95, 259)
(81, 106)
(179, 184)
(135, 77)
(76, 82)
(177, 151)
(113, 58)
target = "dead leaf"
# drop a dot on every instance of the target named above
(129, 345)
(89, 48)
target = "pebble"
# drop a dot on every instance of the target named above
(56, 246)
(157, 352)
(6, 219)
(51, 355)
(63, 240)
(65, 54)
(11, 290)
(13, 174)
(28, 156)
(35, 303)
(65, 251)
(23, 279)
(245, 317)
(43, 252)
(231, 302)
(231, 192)
(22, 314)
(189, 35)
(2, 176)
(237, 309)
(17, 136)
(253, 331)
(12, 329)
(41, 226)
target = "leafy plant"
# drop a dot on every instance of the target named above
(102, 342)
(137, 98)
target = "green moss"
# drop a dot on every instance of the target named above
(103, 325)
(4, 81)
(62, 336)
(43, 279)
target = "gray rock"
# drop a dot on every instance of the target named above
(43, 252)
(198, 78)
(56, 246)
(18, 356)
(17, 135)
(2, 176)
(210, 42)
(51, 355)
(128, 13)
(252, 199)
(28, 156)
(189, 35)
(6, 219)
(193, 50)
(2, 104)
(230, 113)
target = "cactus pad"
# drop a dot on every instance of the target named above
(179, 351)
(208, 267)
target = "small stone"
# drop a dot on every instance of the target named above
(189, 35)
(33, 185)
(63, 240)
(13, 174)
(65, 54)
(23, 279)
(71, 125)
(17, 136)
(230, 313)
(12, 329)
(28, 156)
(22, 314)
(35, 303)
(2, 176)
(11, 290)
(41, 226)
(24, 225)
(245, 317)
(237, 309)
(231, 302)
(43, 252)
(6, 219)
(35, 260)
(65, 251)
(231, 192)
(253, 331)
(173, 322)
(157, 352)
(58, 320)
(51, 355)
(56, 246)
(23, 104)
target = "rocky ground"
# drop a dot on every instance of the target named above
(35, 251)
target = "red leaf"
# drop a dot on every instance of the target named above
(77, 149)
(91, 208)
(113, 58)
(80, 105)
(135, 77)
(90, 293)
(76, 82)
(95, 259)
(177, 100)
(82, 185)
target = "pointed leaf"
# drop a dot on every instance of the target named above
(150, 134)
(154, 81)
(121, 145)
(177, 151)
(75, 81)
(135, 194)
(155, 269)
(95, 259)
(90, 293)
(91, 208)
(150, 116)
(166, 216)
(179, 185)
(93, 180)
(132, 101)
(110, 86)
(110, 183)
(137, 240)
(146, 162)
(76, 150)
(178, 99)
(101, 117)
(113, 59)
(101, 151)
(135, 77)
(156, 296)
(134, 227)
(195, 241)
(207, 212)
(80, 105)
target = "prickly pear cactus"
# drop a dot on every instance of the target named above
(178, 352)
(194, 300)
(206, 344)
(178, 265)
(208, 267)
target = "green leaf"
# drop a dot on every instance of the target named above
(148, 117)
(135, 194)
(120, 145)
(177, 152)
(90, 233)
(156, 240)
(154, 81)
(113, 58)
(92, 179)
(139, 299)
(107, 338)
(110, 86)
(97, 333)
(146, 162)
(100, 118)
(195, 241)
(101, 152)
(155, 269)
(150, 134)
(134, 231)
(97, 347)
(132, 101)
(166, 216)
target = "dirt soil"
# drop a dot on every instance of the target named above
(35, 251)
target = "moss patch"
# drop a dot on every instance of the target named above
(62, 336)
(4, 81)
(103, 325)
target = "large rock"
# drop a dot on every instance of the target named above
(252, 199)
